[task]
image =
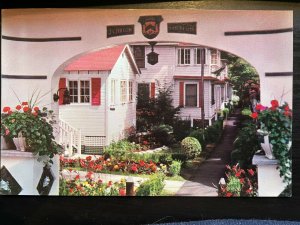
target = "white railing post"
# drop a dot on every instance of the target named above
(71, 144)
(79, 142)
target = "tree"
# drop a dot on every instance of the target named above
(243, 77)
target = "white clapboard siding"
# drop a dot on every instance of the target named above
(90, 119)
(124, 114)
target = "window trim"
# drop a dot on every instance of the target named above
(184, 94)
(111, 91)
(143, 47)
(217, 59)
(130, 95)
(184, 56)
(126, 91)
(79, 90)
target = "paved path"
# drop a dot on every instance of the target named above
(211, 170)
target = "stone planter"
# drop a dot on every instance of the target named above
(266, 145)
(20, 143)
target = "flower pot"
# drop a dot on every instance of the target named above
(266, 145)
(20, 143)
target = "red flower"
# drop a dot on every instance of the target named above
(122, 191)
(24, 103)
(18, 107)
(9, 112)
(287, 113)
(36, 109)
(6, 109)
(77, 177)
(145, 142)
(26, 109)
(286, 108)
(89, 175)
(142, 163)
(274, 103)
(134, 168)
(251, 172)
(238, 174)
(248, 191)
(88, 158)
(35, 113)
(254, 115)
(258, 107)
(242, 180)
(71, 190)
(228, 194)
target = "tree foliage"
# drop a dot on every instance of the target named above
(243, 76)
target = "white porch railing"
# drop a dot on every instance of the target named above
(69, 137)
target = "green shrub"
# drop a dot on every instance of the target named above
(163, 134)
(225, 111)
(191, 147)
(199, 135)
(179, 157)
(181, 129)
(153, 186)
(120, 149)
(213, 133)
(245, 145)
(175, 168)
(246, 112)
(234, 185)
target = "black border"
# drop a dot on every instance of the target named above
(141, 210)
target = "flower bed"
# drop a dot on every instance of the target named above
(239, 183)
(91, 187)
(100, 164)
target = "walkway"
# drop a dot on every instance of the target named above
(205, 178)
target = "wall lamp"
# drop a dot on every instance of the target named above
(66, 96)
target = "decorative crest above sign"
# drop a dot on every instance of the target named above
(119, 30)
(186, 28)
(150, 25)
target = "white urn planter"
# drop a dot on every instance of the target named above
(20, 143)
(267, 146)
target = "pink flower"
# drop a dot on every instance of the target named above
(7, 132)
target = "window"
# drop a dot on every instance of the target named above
(184, 56)
(214, 57)
(197, 56)
(139, 55)
(143, 91)
(79, 91)
(113, 91)
(191, 95)
(123, 91)
(212, 94)
(130, 87)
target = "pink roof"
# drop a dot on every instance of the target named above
(104, 59)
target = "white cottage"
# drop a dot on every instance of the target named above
(102, 87)
(179, 65)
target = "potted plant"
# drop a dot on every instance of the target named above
(275, 125)
(31, 129)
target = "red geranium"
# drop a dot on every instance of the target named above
(228, 194)
(134, 168)
(254, 115)
(122, 191)
(26, 109)
(36, 109)
(18, 107)
(251, 172)
(24, 103)
(274, 103)
(35, 113)
(88, 158)
(6, 109)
